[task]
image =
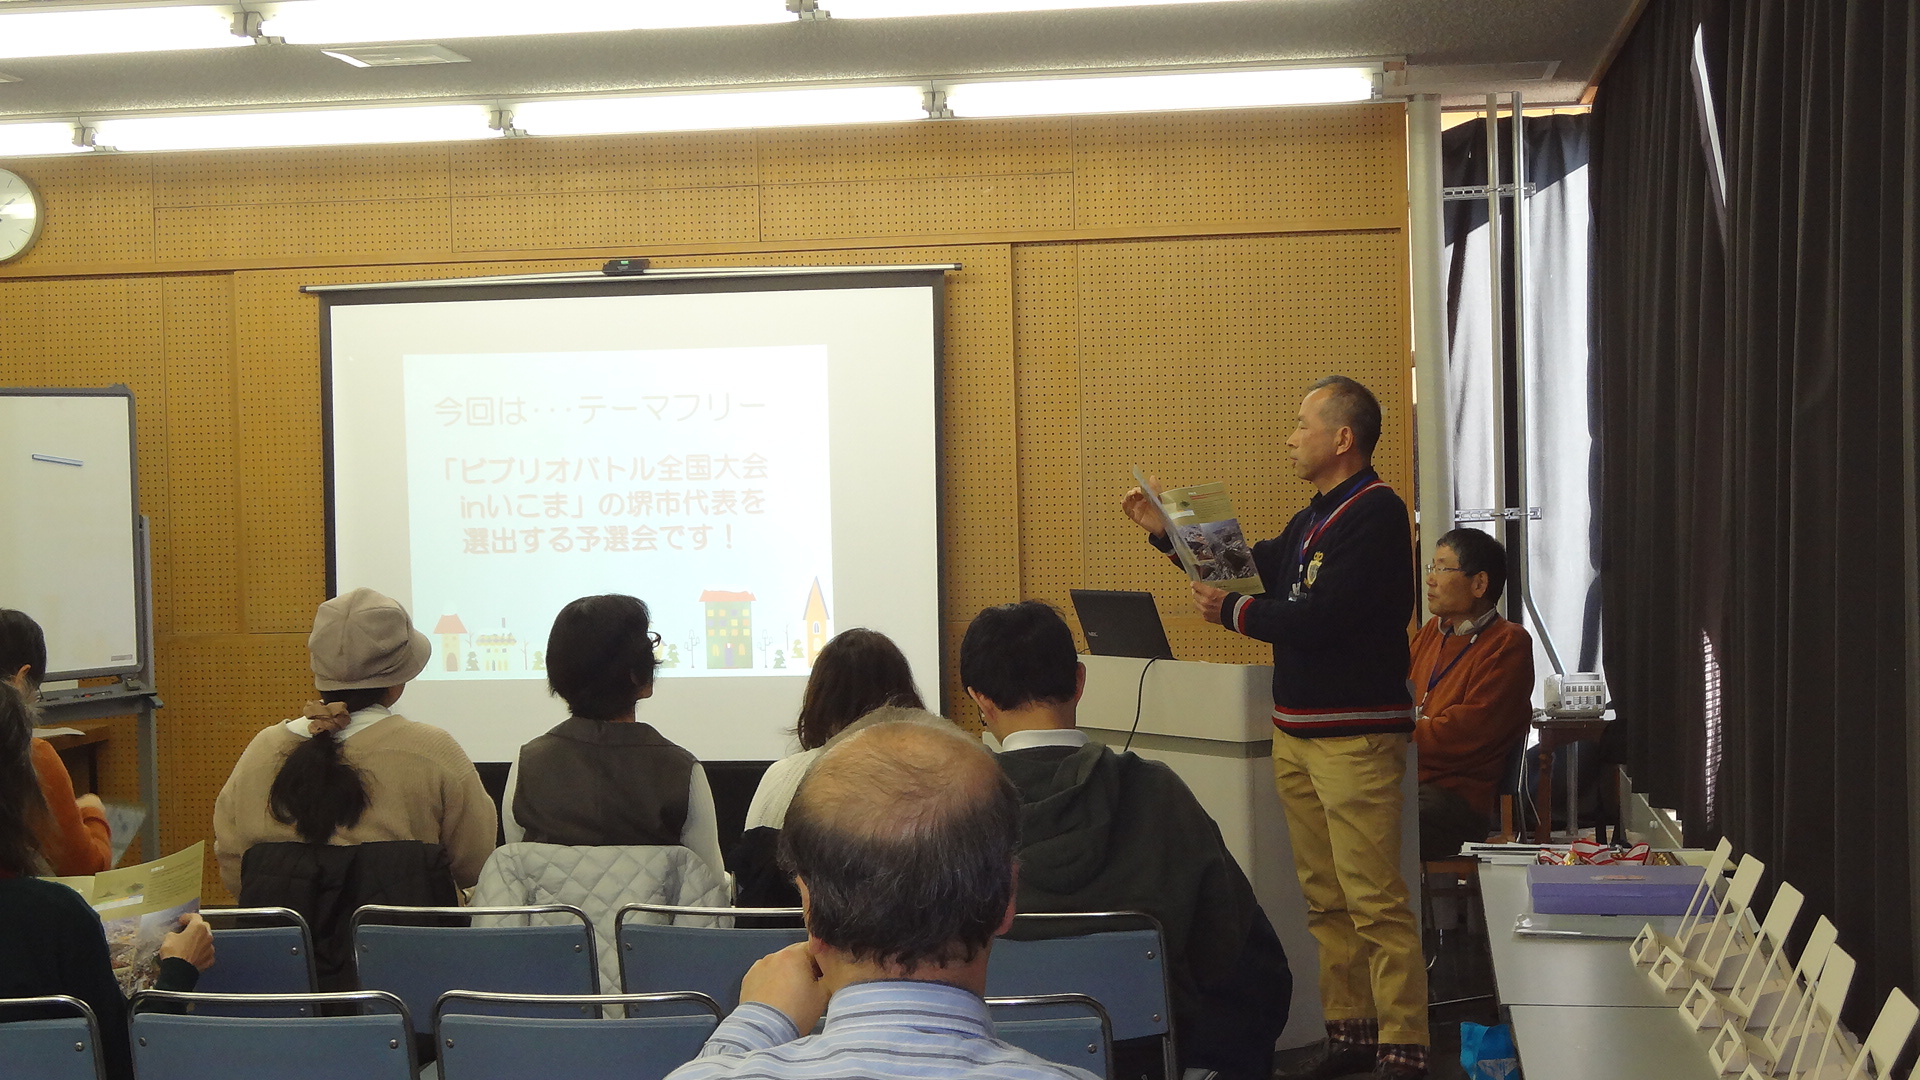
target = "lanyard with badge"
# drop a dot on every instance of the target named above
(1433, 680)
(1306, 572)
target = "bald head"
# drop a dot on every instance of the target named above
(904, 834)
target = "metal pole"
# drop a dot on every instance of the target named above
(1519, 553)
(1427, 244)
(1496, 339)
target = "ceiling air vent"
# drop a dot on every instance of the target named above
(396, 55)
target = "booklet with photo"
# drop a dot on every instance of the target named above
(1206, 536)
(140, 905)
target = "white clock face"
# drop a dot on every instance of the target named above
(19, 215)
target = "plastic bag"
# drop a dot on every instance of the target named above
(1487, 1053)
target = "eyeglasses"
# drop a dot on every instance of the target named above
(1435, 569)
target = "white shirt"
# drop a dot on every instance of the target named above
(1027, 740)
(777, 785)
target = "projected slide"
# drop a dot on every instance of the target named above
(759, 463)
(697, 476)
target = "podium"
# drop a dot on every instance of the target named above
(1212, 724)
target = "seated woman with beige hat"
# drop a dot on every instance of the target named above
(351, 771)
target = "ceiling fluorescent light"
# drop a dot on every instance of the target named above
(888, 9)
(116, 30)
(425, 123)
(338, 22)
(734, 109)
(33, 140)
(1158, 93)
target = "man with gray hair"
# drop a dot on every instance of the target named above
(901, 840)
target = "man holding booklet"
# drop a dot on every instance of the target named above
(1339, 595)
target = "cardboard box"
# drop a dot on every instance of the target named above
(1620, 889)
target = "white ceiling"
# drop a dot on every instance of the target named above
(1460, 48)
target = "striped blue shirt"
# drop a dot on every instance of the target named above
(879, 1030)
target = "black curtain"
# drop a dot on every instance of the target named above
(1658, 379)
(1755, 487)
(1816, 769)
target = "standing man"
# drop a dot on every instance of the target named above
(1340, 594)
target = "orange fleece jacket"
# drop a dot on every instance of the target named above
(75, 839)
(1475, 718)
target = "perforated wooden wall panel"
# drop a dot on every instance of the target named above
(1148, 289)
(1022, 147)
(704, 159)
(1327, 167)
(597, 219)
(99, 212)
(203, 504)
(302, 175)
(930, 206)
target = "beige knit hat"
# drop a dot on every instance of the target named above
(362, 640)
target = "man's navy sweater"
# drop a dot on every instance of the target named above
(1340, 650)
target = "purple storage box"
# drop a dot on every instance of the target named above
(1621, 889)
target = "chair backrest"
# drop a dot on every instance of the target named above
(1116, 957)
(419, 963)
(1066, 1029)
(500, 1037)
(265, 951)
(179, 1045)
(660, 957)
(53, 1048)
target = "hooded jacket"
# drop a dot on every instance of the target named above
(1102, 831)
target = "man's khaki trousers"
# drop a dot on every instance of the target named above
(1343, 802)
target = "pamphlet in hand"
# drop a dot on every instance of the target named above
(140, 905)
(1206, 536)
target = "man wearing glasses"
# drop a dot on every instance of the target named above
(1340, 593)
(1473, 683)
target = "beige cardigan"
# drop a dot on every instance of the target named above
(420, 786)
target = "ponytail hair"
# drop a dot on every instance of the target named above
(317, 791)
(23, 810)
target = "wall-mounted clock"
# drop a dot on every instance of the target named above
(21, 215)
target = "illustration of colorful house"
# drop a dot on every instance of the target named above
(451, 630)
(817, 626)
(496, 650)
(729, 628)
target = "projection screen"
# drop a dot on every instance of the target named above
(755, 457)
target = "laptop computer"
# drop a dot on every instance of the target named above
(1121, 623)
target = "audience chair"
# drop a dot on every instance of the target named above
(1784, 1013)
(50, 1048)
(177, 1044)
(419, 963)
(1647, 947)
(261, 951)
(1724, 944)
(1707, 1008)
(504, 1037)
(1066, 1029)
(1118, 958)
(657, 956)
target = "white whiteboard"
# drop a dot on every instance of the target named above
(68, 521)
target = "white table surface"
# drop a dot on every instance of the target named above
(1563, 971)
(1560, 1042)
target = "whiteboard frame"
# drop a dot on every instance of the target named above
(142, 586)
